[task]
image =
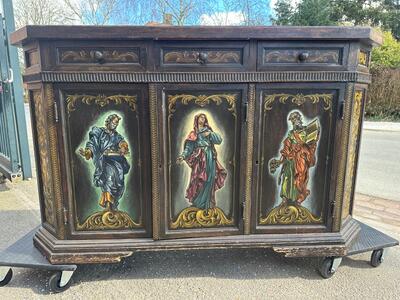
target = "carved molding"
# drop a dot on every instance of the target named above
(249, 157)
(354, 136)
(155, 162)
(45, 167)
(198, 77)
(54, 157)
(101, 100)
(341, 158)
(298, 99)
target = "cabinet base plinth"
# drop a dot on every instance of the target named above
(113, 250)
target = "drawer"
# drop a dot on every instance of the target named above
(302, 55)
(99, 56)
(199, 55)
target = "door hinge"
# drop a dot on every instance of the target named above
(246, 107)
(341, 110)
(243, 207)
(55, 111)
(332, 210)
(65, 214)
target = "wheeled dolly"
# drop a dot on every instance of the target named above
(369, 239)
(24, 255)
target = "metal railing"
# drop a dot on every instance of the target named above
(14, 149)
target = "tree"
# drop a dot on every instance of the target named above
(41, 12)
(94, 12)
(283, 13)
(313, 13)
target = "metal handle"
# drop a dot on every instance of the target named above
(10, 76)
(202, 57)
(303, 56)
(98, 55)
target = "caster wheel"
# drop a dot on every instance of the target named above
(326, 269)
(376, 257)
(55, 281)
(7, 278)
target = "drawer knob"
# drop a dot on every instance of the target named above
(98, 55)
(303, 56)
(202, 57)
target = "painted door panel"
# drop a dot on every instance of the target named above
(201, 128)
(294, 151)
(107, 148)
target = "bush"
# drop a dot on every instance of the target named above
(384, 94)
(388, 54)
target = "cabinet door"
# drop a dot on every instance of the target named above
(294, 181)
(106, 142)
(200, 137)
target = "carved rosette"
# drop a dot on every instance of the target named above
(352, 150)
(44, 157)
(101, 100)
(193, 217)
(298, 99)
(202, 100)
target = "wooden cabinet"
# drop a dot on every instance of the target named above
(151, 138)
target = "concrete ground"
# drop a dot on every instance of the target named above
(220, 274)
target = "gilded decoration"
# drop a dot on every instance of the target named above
(193, 217)
(354, 132)
(363, 58)
(291, 56)
(290, 214)
(298, 99)
(101, 100)
(108, 219)
(193, 56)
(202, 100)
(90, 56)
(45, 170)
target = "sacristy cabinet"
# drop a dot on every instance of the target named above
(163, 137)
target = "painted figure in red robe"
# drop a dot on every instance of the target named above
(297, 157)
(207, 174)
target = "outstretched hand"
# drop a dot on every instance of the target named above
(82, 151)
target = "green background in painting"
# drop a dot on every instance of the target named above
(86, 195)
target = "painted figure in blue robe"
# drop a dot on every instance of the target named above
(107, 149)
(207, 174)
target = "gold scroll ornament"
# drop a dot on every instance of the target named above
(192, 217)
(290, 214)
(108, 219)
(202, 100)
(298, 99)
(101, 100)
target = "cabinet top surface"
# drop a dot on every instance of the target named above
(165, 32)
